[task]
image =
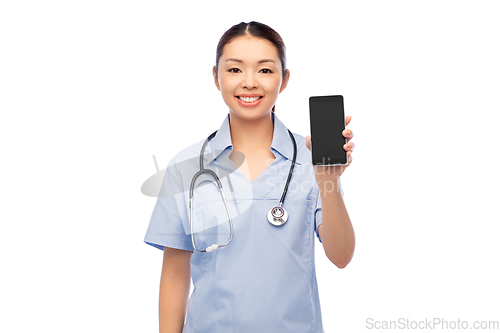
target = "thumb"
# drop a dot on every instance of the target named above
(308, 142)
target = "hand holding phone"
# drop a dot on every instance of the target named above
(327, 124)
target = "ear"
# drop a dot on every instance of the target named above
(214, 73)
(285, 81)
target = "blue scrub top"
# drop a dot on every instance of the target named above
(264, 280)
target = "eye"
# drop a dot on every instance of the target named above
(231, 70)
(266, 69)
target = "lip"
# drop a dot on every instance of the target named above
(249, 95)
(243, 103)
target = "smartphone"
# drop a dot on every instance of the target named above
(326, 115)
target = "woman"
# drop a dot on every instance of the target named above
(264, 279)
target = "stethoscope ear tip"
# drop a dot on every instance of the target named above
(212, 247)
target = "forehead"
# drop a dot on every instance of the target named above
(250, 49)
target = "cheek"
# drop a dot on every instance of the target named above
(228, 85)
(273, 84)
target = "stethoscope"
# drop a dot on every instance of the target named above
(277, 215)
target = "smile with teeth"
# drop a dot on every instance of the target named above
(249, 99)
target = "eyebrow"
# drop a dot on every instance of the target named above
(259, 62)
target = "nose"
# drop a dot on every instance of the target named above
(250, 81)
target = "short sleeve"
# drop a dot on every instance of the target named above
(318, 214)
(166, 226)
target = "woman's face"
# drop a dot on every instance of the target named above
(250, 67)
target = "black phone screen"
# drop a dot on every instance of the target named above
(327, 123)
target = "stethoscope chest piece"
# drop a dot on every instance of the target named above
(277, 216)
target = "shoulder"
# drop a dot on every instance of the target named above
(185, 162)
(186, 154)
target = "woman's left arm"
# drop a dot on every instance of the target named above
(336, 231)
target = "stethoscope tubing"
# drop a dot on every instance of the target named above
(277, 221)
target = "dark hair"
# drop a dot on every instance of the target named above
(254, 29)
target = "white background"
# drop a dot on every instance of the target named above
(90, 90)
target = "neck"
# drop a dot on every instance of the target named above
(253, 135)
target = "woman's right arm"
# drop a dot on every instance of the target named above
(174, 289)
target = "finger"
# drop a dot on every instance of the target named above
(347, 120)
(349, 146)
(308, 142)
(348, 134)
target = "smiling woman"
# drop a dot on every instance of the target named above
(263, 278)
